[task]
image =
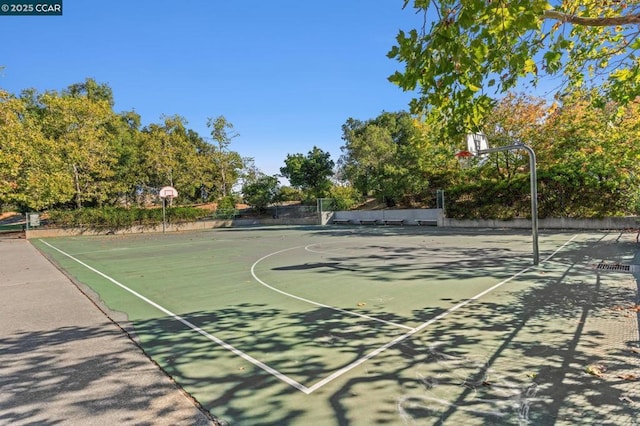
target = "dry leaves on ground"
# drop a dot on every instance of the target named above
(597, 370)
(630, 377)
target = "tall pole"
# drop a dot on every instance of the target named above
(534, 190)
(163, 213)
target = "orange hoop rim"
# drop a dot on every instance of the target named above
(463, 154)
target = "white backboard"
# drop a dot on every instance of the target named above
(168, 192)
(477, 142)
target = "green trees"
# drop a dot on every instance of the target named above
(310, 173)
(228, 164)
(394, 158)
(79, 127)
(29, 174)
(70, 149)
(171, 154)
(468, 51)
(261, 191)
(464, 62)
(587, 160)
(591, 158)
(55, 149)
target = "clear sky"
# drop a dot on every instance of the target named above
(286, 73)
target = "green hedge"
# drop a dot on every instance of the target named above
(558, 196)
(114, 218)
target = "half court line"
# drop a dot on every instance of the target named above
(246, 357)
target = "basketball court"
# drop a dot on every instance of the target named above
(375, 325)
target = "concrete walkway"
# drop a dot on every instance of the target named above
(62, 361)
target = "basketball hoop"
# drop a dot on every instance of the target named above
(166, 192)
(464, 158)
(475, 154)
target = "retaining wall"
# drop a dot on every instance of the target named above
(631, 222)
(189, 226)
(410, 216)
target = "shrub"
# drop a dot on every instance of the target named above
(345, 197)
(115, 218)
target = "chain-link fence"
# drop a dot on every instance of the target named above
(292, 212)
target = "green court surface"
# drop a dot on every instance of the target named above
(390, 325)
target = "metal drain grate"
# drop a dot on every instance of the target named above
(614, 267)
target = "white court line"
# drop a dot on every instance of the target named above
(192, 326)
(322, 305)
(560, 248)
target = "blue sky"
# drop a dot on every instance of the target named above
(286, 73)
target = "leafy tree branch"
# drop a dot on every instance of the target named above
(469, 52)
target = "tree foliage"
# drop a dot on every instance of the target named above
(345, 197)
(592, 155)
(70, 149)
(588, 161)
(261, 192)
(79, 126)
(310, 173)
(394, 158)
(29, 173)
(228, 163)
(469, 51)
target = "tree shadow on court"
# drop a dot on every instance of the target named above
(389, 263)
(41, 384)
(306, 346)
(499, 363)
(553, 352)
(517, 357)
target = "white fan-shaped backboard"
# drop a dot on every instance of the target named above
(477, 142)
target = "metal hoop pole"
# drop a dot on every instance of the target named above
(163, 214)
(534, 190)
